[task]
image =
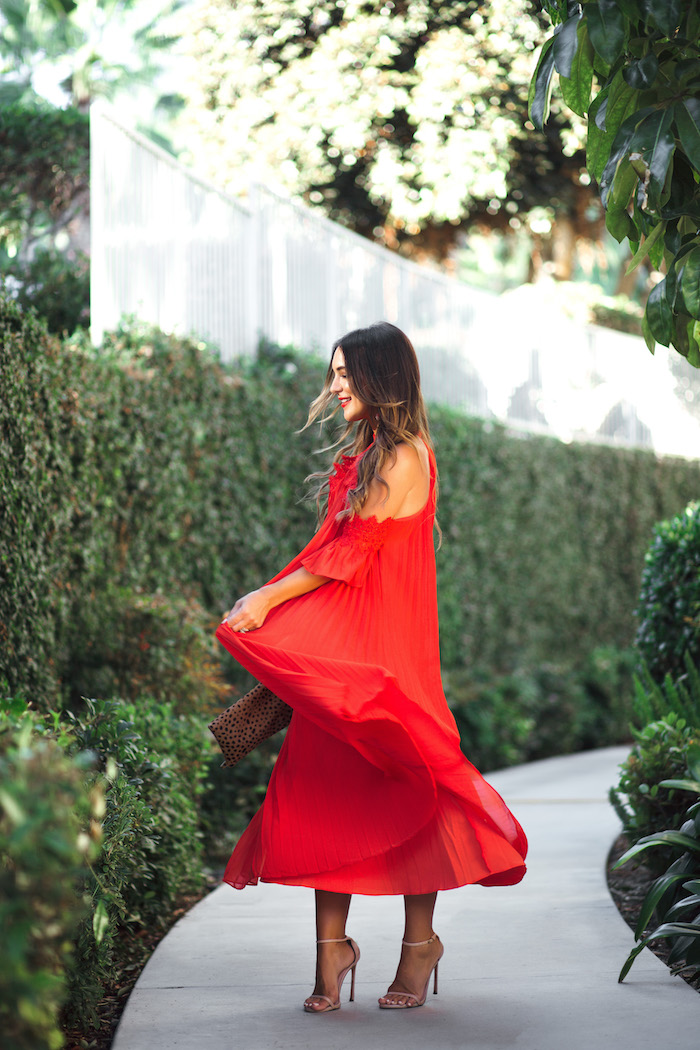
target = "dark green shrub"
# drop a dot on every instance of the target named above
(47, 807)
(36, 504)
(660, 753)
(44, 168)
(671, 908)
(232, 796)
(527, 715)
(159, 647)
(153, 762)
(149, 468)
(543, 543)
(57, 287)
(682, 697)
(669, 604)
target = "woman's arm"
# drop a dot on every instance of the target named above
(251, 610)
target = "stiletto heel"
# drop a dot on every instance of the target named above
(308, 1008)
(411, 995)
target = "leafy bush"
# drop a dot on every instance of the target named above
(677, 916)
(47, 805)
(135, 645)
(99, 824)
(57, 287)
(628, 66)
(682, 697)
(44, 170)
(543, 543)
(520, 717)
(153, 762)
(669, 606)
(660, 753)
(148, 468)
(232, 796)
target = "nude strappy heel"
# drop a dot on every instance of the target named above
(341, 977)
(412, 995)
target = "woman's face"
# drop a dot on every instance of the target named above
(353, 408)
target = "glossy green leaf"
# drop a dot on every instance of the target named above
(672, 238)
(623, 185)
(654, 139)
(648, 337)
(566, 45)
(621, 102)
(540, 91)
(100, 921)
(645, 247)
(630, 8)
(681, 785)
(666, 14)
(642, 73)
(619, 224)
(693, 760)
(693, 886)
(659, 316)
(621, 146)
(693, 354)
(606, 26)
(687, 114)
(576, 86)
(690, 283)
(667, 929)
(629, 961)
(681, 907)
(650, 903)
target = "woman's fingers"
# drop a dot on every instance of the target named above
(248, 613)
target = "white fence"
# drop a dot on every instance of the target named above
(176, 251)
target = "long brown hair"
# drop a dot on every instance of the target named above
(382, 371)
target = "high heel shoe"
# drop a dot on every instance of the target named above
(411, 995)
(341, 977)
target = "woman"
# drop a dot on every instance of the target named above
(370, 793)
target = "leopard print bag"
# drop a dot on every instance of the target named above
(243, 726)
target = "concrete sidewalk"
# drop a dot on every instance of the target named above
(532, 966)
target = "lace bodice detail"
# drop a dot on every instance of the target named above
(365, 534)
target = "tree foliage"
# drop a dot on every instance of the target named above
(633, 68)
(400, 118)
(81, 49)
(44, 171)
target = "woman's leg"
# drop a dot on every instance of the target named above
(417, 960)
(331, 959)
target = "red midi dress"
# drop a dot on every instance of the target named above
(370, 793)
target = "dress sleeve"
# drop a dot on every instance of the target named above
(349, 555)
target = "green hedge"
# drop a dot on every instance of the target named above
(46, 807)
(669, 603)
(100, 835)
(148, 467)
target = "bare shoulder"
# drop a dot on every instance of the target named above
(412, 463)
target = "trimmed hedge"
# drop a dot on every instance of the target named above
(46, 810)
(100, 835)
(150, 467)
(669, 604)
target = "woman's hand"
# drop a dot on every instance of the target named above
(249, 611)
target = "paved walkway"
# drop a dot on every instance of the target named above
(531, 967)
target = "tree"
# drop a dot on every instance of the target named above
(402, 119)
(44, 162)
(633, 68)
(80, 49)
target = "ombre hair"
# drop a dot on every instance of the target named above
(382, 371)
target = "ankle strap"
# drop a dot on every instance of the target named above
(333, 940)
(417, 944)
